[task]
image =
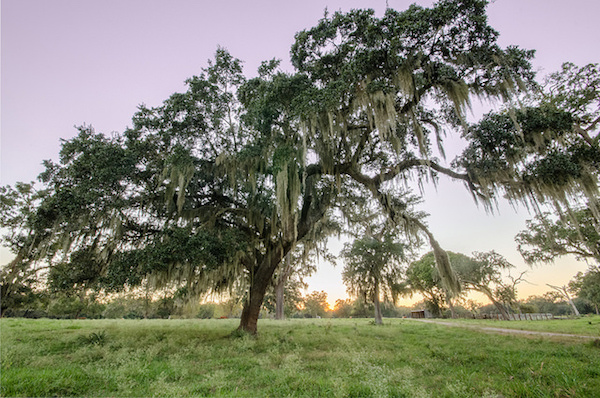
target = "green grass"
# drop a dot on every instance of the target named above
(298, 358)
(585, 326)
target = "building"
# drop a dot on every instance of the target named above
(420, 314)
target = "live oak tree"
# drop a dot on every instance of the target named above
(421, 277)
(383, 88)
(298, 264)
(483, 273)
(285, 297)
(214, 187)
(373, 269)
(315, 304)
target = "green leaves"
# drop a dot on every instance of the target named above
(577, 91)
(587, 286)
(547, 238)
(373, 264)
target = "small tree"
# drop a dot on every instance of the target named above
(286, 298)
(315, 304)
(482, 273)
(374, 269)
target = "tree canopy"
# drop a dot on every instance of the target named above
(481, 272)
(546, 151)
(567, 111)
(587, 286)
(547, 237)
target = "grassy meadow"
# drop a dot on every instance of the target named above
(309, 358)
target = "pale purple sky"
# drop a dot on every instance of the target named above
(73, 62)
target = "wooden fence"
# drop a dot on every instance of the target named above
(523, 317)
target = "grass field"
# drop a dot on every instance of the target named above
(311, 358)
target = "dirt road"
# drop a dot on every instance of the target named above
(504, 330)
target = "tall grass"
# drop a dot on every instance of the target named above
(337, 358)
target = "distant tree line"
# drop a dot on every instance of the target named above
(134, 305)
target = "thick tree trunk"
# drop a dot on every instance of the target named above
(501, 309)
(263, 274)
(252, 307)
(258, 287)
(378, 317)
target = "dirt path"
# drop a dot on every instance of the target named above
(504, 330)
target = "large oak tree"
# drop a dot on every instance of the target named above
(214, 187)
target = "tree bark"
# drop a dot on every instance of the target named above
(280, 289)
(451, 305)
(485, 290)
(258, 287)
(575, 310)
(565, 293)
(500, 308)
(378, 317)
(279, 300)
(251, 310)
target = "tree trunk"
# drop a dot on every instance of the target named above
(564, 292)
(501, 309)
(263, 274)
(575, 310)
(451, 305)
(280, 289)
(279, 300)
(251, 310)
(378, 317)
(258, 287)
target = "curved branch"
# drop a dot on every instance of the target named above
(401, 217)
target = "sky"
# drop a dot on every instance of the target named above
(66, 63)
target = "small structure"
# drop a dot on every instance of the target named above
(420, 314)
